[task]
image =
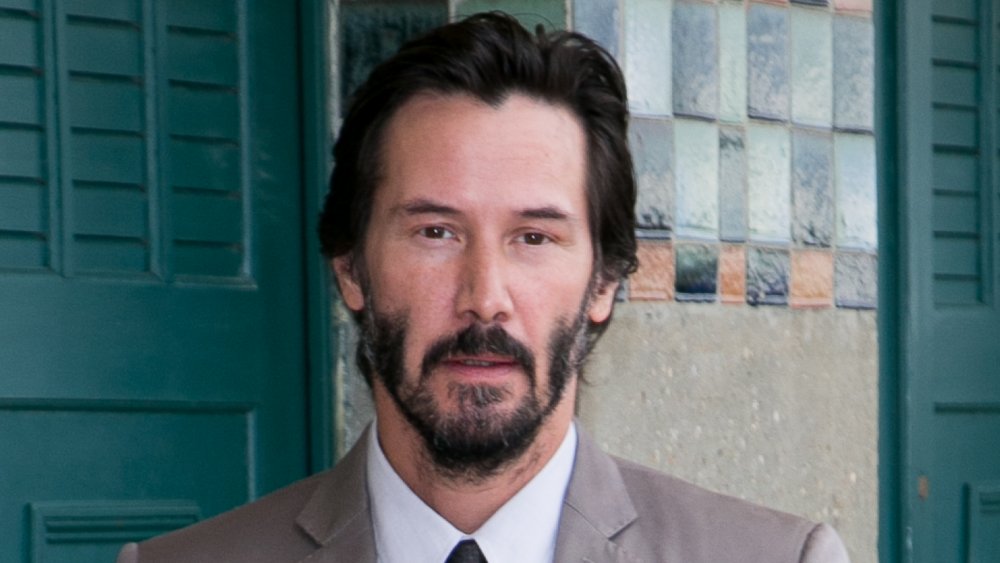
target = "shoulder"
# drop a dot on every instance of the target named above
(287, 524)
(695, 524)
(264, 530)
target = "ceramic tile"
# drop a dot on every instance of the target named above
(601, 21)
(853, 5)
(732, 184)
(370, 33)
(654, 280)
(531, 13)
(621, 294)
(648, 56)
(854, 157)
(696, 146)
(856, 280)
(812, 188)
(812, 67)
(767, 276)
(769, 183)
(695, 59)
(651, 142)
(732, 273)
(853, 73)
(812, 278)
(732, 62)
(696, 272)
(767, 56)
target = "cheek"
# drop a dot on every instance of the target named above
(428, 296)
(547, 305)
(424, 296)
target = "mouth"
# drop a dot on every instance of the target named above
(481, 366)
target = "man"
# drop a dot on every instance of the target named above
(479, 221)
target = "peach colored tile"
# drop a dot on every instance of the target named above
(853, 5)
(654, 280)
(733, 274)
(812, 278)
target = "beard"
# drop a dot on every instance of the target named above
(479, 437)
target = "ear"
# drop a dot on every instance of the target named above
(347, 280)
(603, 302)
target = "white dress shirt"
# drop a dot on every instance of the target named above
(522, 531)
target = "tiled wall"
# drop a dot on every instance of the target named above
(752, 134)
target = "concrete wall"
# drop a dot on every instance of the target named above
(768, 404)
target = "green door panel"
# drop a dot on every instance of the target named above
(153, 364)
(951, 216)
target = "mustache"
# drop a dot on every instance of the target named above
(475, 339)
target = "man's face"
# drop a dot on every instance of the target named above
(476, 276)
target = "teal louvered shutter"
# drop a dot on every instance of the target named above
(951, 212)
(152, 311)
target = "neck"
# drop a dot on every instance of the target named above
(466, 503)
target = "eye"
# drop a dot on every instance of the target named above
(436, 233)
(535, 239)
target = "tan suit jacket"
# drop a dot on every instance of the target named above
(614, 511)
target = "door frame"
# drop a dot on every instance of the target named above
(892, 296)
(315, 122)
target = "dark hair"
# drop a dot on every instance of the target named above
(489, 56)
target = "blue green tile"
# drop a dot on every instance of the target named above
(696, 177)
(767, 60)
(648, 56)
(854, 157)
(732, 62)
(697, 272)
(732, 184)
(855, 278)
(601, 21)
(651, 141)
(769, 183)
(551, 14)
(812, 67)
(372, 32)
(767, 276)
(695, 59)
(812, 188)
(854, 73)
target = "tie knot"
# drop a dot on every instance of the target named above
(466, 551)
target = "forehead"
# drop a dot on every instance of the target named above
(521, 151)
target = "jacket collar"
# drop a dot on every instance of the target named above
(596, 509)
(338, 517)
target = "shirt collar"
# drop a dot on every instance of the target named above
(524, 529)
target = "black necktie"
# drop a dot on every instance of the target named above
(467, 551)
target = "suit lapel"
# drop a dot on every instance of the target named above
(597, 507)
(338, 517)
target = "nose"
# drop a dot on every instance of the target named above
(484, 295)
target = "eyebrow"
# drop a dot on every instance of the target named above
(426, 206)
(547, 212)
(422, 206)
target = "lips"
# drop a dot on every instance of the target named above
(481, 366)
(479, 352)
